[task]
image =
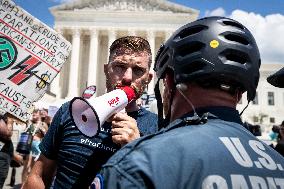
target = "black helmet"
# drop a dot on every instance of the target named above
(277, 79)
(212, 49)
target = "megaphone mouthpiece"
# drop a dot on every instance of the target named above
(130, 92)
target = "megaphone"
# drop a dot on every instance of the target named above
(89, 114)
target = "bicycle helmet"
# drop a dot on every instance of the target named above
(212, 49)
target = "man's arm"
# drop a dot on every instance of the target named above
(42, 174)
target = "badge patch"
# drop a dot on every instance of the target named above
(98, 182)
(89, 92)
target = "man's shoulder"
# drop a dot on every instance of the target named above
(64, 111)
(66, 106)
(147, 122)
(144, 112)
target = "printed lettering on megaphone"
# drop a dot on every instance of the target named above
(31, 55)
(90, 114)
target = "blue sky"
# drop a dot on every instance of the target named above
(264, 18)
(262, 7)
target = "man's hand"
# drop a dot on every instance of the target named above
(124, 129)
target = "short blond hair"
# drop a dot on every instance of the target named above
(129, 45)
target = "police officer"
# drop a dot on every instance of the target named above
(277, 80)
(206, 66)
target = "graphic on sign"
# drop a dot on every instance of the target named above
(31, 55)
(8, 53)
(24, 70)
(43, 82)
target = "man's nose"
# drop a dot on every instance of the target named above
(127, 77)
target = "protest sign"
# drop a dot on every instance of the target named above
(31, 55)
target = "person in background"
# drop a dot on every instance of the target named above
(44, 116)
(277, 135)
(280, 140)
(277, 80)
(38, 129)
(6, 148)
(206, 66)
(75, 158)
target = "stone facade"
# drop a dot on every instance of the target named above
(91, 26)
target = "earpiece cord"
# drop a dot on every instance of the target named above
(245, 108)
(188, 101)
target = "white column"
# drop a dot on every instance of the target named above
(55, 85)
(111, 38)
(151, 40)
(74, 65)
(93, 58)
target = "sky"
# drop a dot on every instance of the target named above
(264, 18)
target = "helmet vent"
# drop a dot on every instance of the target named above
(236, 38)
(191, 31)
(234, 24)
(190, 48)
(193, 67)
(164, 61)
(236, 56)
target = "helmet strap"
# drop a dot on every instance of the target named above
(159, 104)
(180, 89)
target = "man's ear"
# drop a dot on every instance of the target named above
(150, 77)
(240, 96)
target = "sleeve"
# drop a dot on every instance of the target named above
(114, 178)
(49, 146)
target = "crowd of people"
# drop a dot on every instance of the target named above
(205, 67)
(36, 127)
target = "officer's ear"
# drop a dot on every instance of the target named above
(169, 80)
(240, 94)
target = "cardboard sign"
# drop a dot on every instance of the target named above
(31, 55)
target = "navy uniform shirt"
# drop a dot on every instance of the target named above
(219, 154)
(79, 157)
